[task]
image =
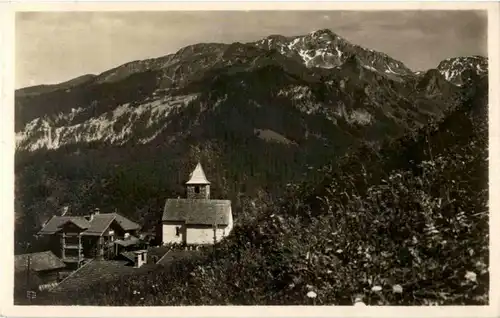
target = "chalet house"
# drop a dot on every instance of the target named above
(76, 238)
(196, 220)
(37, 269)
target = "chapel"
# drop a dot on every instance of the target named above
(196, 220)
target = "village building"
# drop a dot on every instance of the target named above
(77, 238)
(36, 271)
(196, 220)
(126, 264)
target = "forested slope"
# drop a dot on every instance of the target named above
(402, 224)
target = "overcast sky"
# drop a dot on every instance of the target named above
(55, 47)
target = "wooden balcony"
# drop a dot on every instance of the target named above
(73, 246)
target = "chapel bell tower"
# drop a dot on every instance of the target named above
(198, 187)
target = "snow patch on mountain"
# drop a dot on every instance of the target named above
(353, 116)
(302, 99)
(296, 92)
(360, 117)
(325, 49)
(273, 136)
(454, 68)
(371, 68)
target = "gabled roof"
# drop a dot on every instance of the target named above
(176, 255)
(125, 223)
(95, 227)
(79, 222)
(132, 240)
(55, 223)
(98, 271)
(99, 224)
(198, 176)
(158, 252)
(197, 211)
(41, 261)
(130, 256)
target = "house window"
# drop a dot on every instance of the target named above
(177, 231)
(197, 189)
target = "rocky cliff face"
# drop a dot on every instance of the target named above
(111, 106)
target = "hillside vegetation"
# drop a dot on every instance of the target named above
(405, 223)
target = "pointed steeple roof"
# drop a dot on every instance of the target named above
(198, 176)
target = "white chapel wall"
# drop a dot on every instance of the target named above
(203, 235)
(169, 233)
(194, 234)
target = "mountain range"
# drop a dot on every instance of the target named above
(258, 116)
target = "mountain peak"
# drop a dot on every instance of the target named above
(325, 49)
(457, 69)
(325, 36)
(277, 37)
(321, 32)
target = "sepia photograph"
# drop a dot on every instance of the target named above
(251, 157)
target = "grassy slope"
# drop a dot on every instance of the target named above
(413, 220)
